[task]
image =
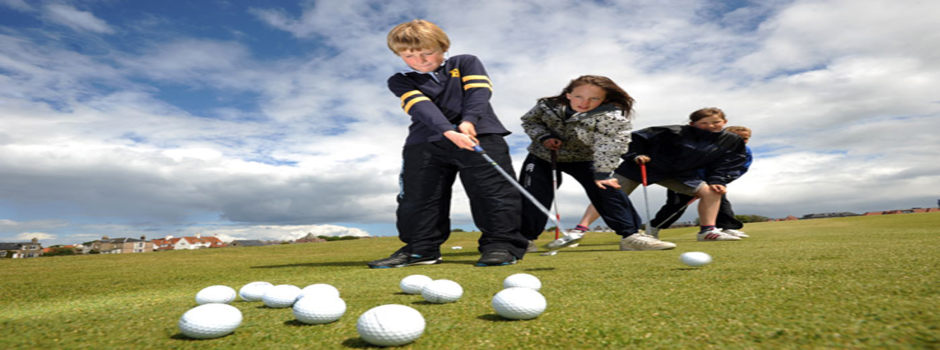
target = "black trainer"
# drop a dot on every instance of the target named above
(496, 258)
(401, 259)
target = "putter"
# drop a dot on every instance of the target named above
(646, 199)
(555, 190)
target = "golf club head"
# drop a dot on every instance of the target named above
(549, 253)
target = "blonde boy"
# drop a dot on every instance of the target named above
(448, 101)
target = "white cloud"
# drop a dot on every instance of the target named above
(76, 19)
(28, 236)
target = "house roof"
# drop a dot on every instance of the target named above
(11, 246)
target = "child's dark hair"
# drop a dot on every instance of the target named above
(705, 113)
(615, 95)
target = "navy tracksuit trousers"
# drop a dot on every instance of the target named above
(428, 173)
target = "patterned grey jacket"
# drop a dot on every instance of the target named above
(601, 135)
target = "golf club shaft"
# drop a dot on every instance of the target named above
(555, 191)
(677, 212)
(515, 183)
(646, 199)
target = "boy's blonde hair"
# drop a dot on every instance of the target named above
(417, 35)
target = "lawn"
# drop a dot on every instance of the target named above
(861, 282)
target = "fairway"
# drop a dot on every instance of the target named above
(860, 282)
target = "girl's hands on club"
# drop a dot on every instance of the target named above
(642, 159)
(552, 144)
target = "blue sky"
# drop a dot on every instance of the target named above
(268, 120)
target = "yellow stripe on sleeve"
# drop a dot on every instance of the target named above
(409, 94)
(415, 100)
(478, 85)
(477, 77)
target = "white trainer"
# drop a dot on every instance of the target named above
(735, 233)
(570, 237)
(715, 235)
(642, 241)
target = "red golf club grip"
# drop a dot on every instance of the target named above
(643, 172)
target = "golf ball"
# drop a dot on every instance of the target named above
(390, 325)
(523, 280)
(695, 259)
(519, 303)
(210, 321)
(319, 290)
(254, 290)
(319, 310)
(215, 294)
(442, 291)
(280, 296)
(414, 283)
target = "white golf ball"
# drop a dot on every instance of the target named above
(523, 280)
(319, 290)
(390, 325)
(210, 321)
(215, 294)
(442, 291)
(519, 303)
(695, 259)
(414, 283)
(280, 296)
(254, 290)
(316, 310)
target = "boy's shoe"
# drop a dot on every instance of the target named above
(715, 235)
(533, 248)
(735, 233)
(642, 241)
(570, 237)
(401, 259)
(496, 258)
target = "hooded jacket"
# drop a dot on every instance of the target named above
(600, 135)
(679, 151)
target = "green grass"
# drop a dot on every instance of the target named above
(863, 282)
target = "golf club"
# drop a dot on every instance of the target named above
(646, 199)
(555, 191)
(657, 227)
(515, 183)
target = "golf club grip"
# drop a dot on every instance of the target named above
(518, 186)
(643, 173)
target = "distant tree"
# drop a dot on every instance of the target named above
(59, 250)
(457, 230)
(94, 251)
(551, 229)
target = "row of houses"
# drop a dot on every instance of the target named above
(107, 245)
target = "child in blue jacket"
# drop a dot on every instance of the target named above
(673, 155)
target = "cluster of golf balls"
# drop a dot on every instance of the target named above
(385, 325)
(315, 304)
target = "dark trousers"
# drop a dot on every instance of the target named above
(613, 205)
(428, 173)
(674, 205)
